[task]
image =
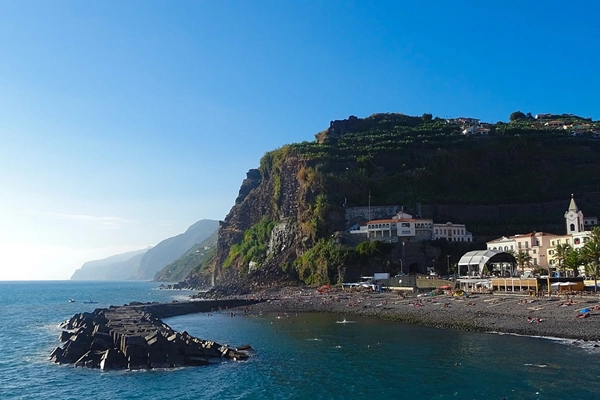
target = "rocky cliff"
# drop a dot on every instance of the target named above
(289, 213)
(280, 195)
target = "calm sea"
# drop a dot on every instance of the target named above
(308, 356)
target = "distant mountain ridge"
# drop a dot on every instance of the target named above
(118, 267)
(193, 260)
(172, 248)
(144, 264)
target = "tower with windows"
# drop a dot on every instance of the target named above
(574, 218)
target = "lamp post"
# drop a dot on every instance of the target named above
(448, 260)
(402, 260)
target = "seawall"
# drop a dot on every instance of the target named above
(135, 337)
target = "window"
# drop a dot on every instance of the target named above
(535, 261)
(576, 241)
(572, 227)
(405, 225)
(534, 251)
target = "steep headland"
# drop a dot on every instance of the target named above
(118, 267)
(291, 213)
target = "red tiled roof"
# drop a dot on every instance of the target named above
(382, 221)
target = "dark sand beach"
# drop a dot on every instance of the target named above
(534, 316)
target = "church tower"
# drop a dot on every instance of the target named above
(573, 218)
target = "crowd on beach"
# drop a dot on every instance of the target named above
(555, 316)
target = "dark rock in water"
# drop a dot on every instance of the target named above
(135, 337)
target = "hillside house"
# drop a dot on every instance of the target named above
(555, 124)
(404, 227)
(452, 232)
(476, 130)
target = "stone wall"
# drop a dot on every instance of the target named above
(376, 212)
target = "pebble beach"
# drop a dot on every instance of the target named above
(555, 317)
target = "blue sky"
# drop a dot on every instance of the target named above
(124, 122)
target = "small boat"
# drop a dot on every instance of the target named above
(90, 301)
(71, 300)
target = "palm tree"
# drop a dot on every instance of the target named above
(572, 260)
(591, 255)
(522, 259)
(561, 254)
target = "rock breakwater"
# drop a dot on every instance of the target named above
(135, 337)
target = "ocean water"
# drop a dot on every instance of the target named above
(305, 356)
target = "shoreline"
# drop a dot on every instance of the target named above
(491, 313)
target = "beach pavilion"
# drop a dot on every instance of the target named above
(476, 262)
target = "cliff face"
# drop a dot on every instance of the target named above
(289, 212)
(281, 198)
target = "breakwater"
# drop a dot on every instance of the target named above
(135, 337)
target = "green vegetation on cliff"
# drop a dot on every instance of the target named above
(253, 247)
(192, 261)
(405, 160)
(450, 167)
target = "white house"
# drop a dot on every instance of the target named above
(504, 244)
(452, 232)
(404, 227)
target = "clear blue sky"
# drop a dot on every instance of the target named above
(124, 122)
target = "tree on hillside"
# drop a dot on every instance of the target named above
(591, 256)
(516, 116)
(427, 117)
(522, 259)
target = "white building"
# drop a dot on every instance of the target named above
(452, 232)
(503, 244)
(541, 246)
(404, 227)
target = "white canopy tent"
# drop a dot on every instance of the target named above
(475, 261)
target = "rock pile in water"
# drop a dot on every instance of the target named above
(134, 338)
